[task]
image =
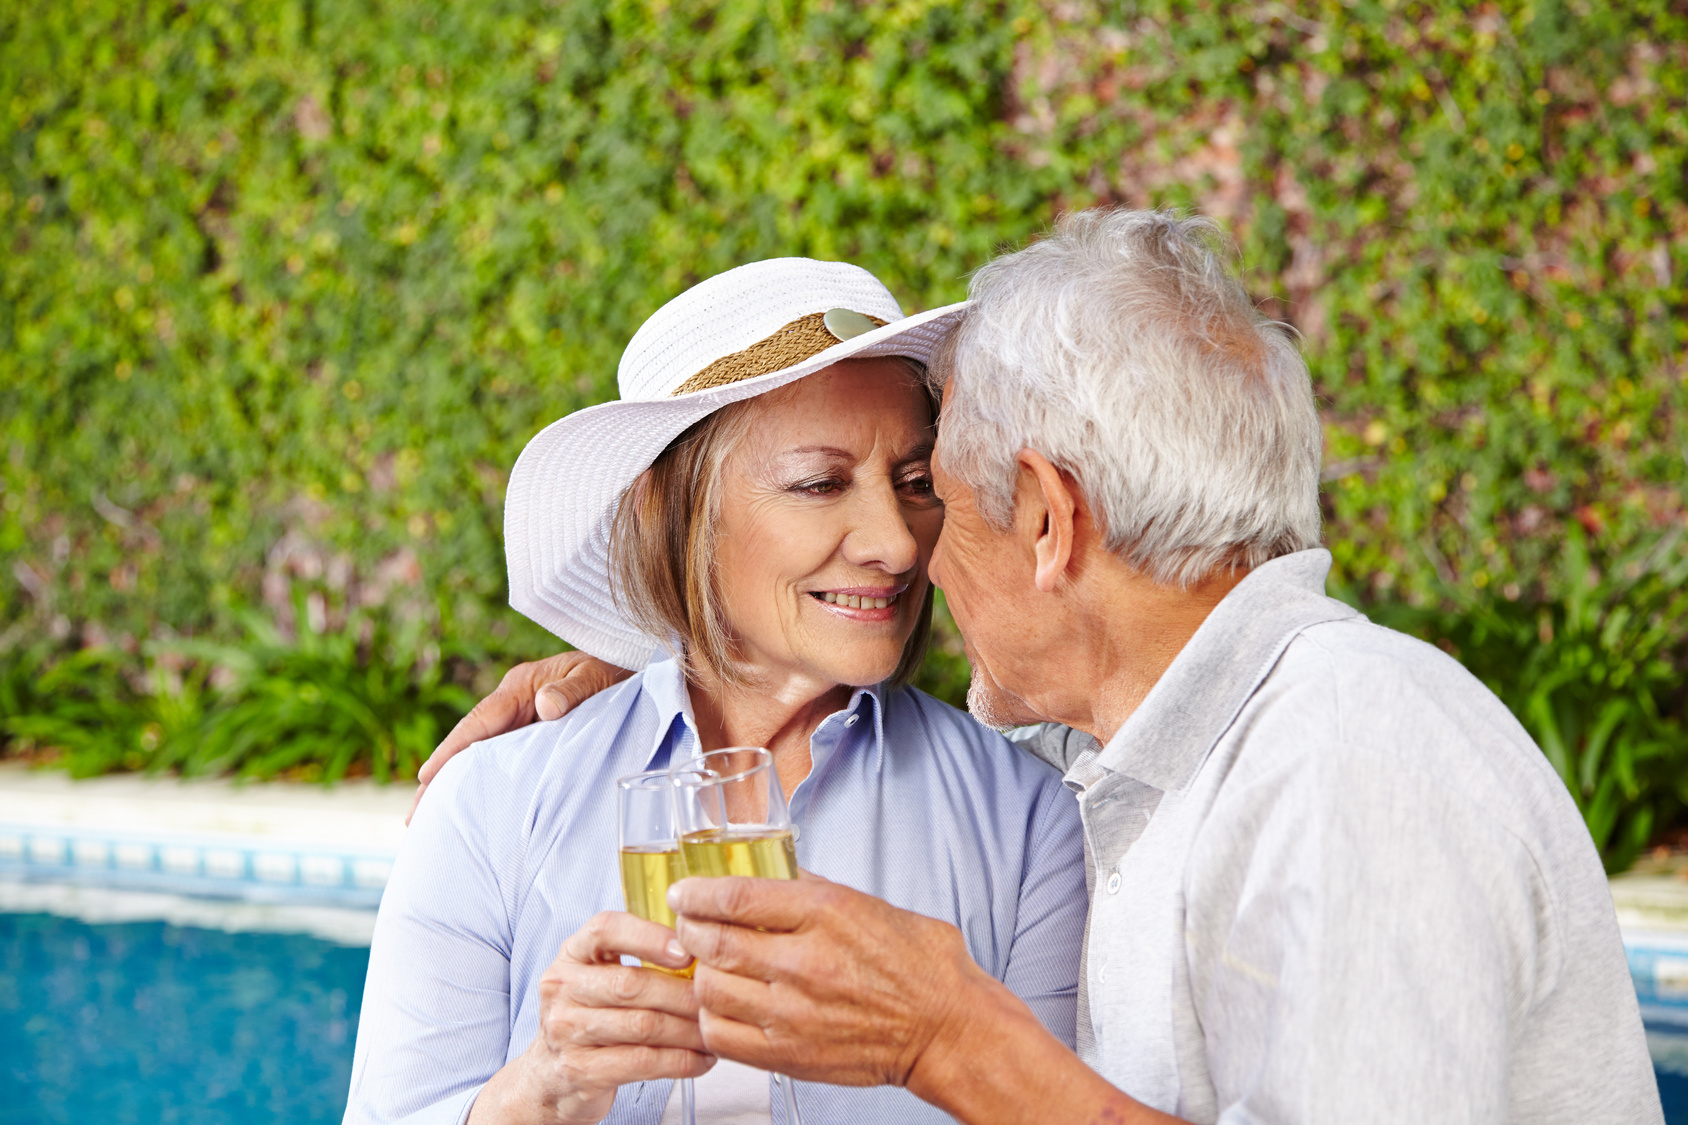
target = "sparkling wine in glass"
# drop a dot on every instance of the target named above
(650, 863)
(732, 819)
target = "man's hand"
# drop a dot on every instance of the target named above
(544, 689)
(601, 1024)
(821, 982)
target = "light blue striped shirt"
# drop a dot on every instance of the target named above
(514, 848)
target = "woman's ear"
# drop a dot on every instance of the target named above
(1053, 500)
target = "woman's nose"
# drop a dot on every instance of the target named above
(881, 538)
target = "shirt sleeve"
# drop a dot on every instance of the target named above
(1043, 966)
(1364, 945)
(435, 1022)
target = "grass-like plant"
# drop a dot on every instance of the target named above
(369, 698)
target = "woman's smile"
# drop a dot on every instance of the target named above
(861, 603)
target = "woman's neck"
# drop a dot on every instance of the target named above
(781, 717)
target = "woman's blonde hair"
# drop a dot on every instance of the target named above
(662, 550)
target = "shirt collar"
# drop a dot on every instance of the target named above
(665, 684)
(1195, 700)
(865, 702)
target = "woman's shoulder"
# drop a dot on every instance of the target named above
(952, 731)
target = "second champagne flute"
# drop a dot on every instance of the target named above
(650, 864)
(732, 819)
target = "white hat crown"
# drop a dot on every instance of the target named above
(731, 311)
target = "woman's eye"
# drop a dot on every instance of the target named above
(821, 487)
(920, 486)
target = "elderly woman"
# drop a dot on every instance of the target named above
(755, 514)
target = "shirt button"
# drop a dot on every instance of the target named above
(851, 721)
(1113, 883)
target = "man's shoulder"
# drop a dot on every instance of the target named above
(1357, 670)
(1375, 645)
(1367, 708)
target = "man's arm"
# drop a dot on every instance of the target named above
(543, 689)
(824, 983)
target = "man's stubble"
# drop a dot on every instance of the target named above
(986, 704)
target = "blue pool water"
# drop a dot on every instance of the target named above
(144, 1023)
(1673, 1084)
(1664, 1008)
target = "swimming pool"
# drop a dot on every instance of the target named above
(1669, 1046)
(147, 1022)
(1658, 964)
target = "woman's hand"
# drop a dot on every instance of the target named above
(543, 689)
(601, 1024)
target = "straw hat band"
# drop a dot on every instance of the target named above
(802, 339)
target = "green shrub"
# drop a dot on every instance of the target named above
(362, 700)
(286, 285)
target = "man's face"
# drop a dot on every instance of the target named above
(989, 582)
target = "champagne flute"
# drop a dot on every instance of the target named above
(650, 864)
(732, 819)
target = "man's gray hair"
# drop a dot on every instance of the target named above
(1122, 348)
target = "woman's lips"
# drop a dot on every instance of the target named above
(862, 603)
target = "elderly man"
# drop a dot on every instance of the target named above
(1331, 877)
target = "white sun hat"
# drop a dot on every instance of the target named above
(737, 335)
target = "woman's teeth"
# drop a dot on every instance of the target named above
(855, 602)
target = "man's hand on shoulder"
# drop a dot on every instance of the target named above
(543, 689)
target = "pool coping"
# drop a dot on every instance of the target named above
(273, 844)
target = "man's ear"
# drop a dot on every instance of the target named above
(1053, 493)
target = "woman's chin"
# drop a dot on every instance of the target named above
(849, 645)
(855, 669)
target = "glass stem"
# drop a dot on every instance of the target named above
(789, 1089)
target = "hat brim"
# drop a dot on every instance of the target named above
(568, 481)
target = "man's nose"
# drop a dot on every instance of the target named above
(936, 565)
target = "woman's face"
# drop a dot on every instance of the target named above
(827, 520)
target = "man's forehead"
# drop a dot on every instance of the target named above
(947, 488)
(934, 464)
(942, 390)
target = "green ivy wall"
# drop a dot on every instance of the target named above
(287, 284)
